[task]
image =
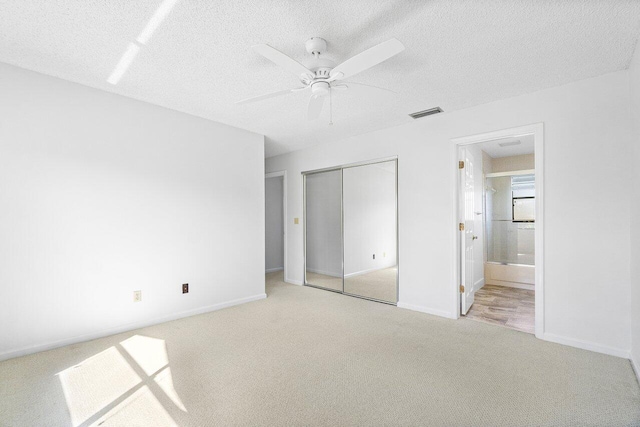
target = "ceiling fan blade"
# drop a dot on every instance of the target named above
(315, 107)
(268, 95)
(279, 58)
(369, 86)
(367, 59)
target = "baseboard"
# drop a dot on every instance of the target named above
(512, 285)
(273, 270)
(124, 328)
(293, 282)
(427, 310)
(636, 368)
(371, 270)
(324, 273)
(479, 284)
(586, 345)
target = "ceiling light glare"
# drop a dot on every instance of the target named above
(124, 63)
(161, 13)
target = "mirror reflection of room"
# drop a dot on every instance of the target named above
(351, 230)
(370, 261)
(323, 199)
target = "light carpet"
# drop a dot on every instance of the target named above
(309, 357)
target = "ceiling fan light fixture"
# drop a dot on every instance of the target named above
(323, 73)
(320, 88)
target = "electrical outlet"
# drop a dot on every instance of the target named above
(185, 288)
(384, 254)
(137, 296)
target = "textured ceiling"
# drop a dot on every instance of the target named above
(199, 59)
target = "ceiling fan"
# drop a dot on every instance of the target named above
(323, 75)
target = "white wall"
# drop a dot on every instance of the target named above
(634, 74)
(274, 228)
(487, 163)
(587, 281)
(369, 218)
(513, 163)
(102, 195)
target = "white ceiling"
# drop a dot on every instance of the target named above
(516, 146)
(199, 59)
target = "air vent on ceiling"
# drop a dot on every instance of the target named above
(509, 144)
(428, 112)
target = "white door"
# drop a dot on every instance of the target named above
(467, 236)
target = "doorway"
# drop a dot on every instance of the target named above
(276, 226)
(499, 220)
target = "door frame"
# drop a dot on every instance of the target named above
(537, 129)
(285, 234)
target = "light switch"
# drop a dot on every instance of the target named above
(296, 220)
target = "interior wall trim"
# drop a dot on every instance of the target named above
(427, 310)
(636, 367)
(351, 165)
(283, 174)
(324, 272)
(587, 345)
(537, 129)
(359, 273)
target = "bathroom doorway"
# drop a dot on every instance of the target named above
(499, 228)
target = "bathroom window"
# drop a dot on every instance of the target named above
(524, 209)
(523, 201)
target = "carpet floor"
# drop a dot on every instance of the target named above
(305, 357)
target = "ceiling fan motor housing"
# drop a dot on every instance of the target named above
(316, 46)
(321, 68)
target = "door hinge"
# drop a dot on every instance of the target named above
(462, 289)
(460, 164)
(461, 226)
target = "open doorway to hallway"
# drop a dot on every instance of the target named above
(497, 230)
(275, 226)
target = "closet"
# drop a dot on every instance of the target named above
(351, 230)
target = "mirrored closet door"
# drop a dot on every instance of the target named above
(323, 229)
(370, 261)
(351, 230)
